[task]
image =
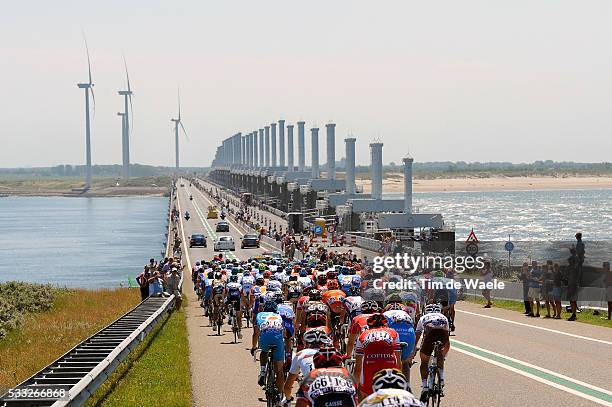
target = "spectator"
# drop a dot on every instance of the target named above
(173, 280)
(534, 289)
(557, 289)
(524, 277)
(573, 278)
(143, 282)
(547, 287)
(155, 285)
(608, 285)
(580, 254)
(487, 277)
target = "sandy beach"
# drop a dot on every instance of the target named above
(396, 184)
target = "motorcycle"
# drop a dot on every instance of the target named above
(187, 216)
(191, 197)
(222, 216)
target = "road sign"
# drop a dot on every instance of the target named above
(330, 229)
(509, 246)
(471, 249)
(472, 237)
(318, 229)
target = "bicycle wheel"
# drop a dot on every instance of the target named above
(433, 398)
(270, 384)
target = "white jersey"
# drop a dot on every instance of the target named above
(434, 320)
(274, 285)
(391, 398)
(302, 362)
(305, 281)
(396, 316)
(247, 283)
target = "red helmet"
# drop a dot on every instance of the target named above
(267, 274)
(316, 319)
(327, 357)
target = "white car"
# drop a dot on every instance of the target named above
(225, 243)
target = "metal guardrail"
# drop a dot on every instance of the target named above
(72, 378)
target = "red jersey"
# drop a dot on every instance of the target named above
(332, 386)
(359, 324)
(300, 304)
(378, 347)
(333, 299)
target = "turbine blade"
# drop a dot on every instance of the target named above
(93, 98)
(88, 59)
(127, 75)
(131, 117)
(178, 92)
(184, 131)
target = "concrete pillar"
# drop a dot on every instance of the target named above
(377, 170)
(250, 150)
(350, 165)
(301, 147)
(267, 150)
(331, 150)
(237, 139)
(281, 142)
(273, 139)
(290, 147)
(408, 184)
(255, 150)
(262, 158)
(243, 160)
(314, 147)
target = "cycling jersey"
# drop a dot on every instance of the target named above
(315, 306)
(333, 299)
(274, 285)
(294, 291)
(305, 281)
(391, 398)
(378, 347)
(401, 322)
(271, 334)
(331, 386)
(359, 324)
(345, 283)
(352, 304)
(302, 362)
(434, 320)
(302, 301)
(234, 291)
(247, 283)
(286, 312)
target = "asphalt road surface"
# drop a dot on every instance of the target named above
(497, 358)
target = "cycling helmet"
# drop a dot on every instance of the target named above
(370, 307)
(322, 279)
(278, 297)
(314, 295)
(333, 285)
(316, 338)
(332, 275)
(316, 319)
(197, 263)
(292, 278)
(267, 274)
(303, 273)
(218, 276)
(355, 291)
(260, 281)
(233, 279)
(394, 306)
(431, 308)
(376, 321)
(234, 271)
(393, 298)
(327, 357)
(306, 290)
(390, 379)
(270, 306)
(350, 271)
(210, 275)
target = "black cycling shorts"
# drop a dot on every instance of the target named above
(431, 337)
(235, 302)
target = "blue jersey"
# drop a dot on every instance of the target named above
(346, 282)
(270, 324)
(286, 312)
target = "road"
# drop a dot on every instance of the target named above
(498, 358)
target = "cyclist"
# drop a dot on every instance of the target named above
(399, 320)
(302, 361)
(233, 296)
(328, 384)
(285, 309)
(218, 289)
(391, 389)
(247, 285)
(257, 294)
(333, 298)
(360, 324)
(378, 347)
(270, 325)
(433, 325)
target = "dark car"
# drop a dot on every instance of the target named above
(249, 241)
(197, 239)
(222, 226)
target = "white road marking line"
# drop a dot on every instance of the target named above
(178, 204)
(533, 376)
(537, 327)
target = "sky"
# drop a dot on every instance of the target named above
(463, 80)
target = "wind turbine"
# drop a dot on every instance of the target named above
(177, 123)
(125, 128)
(88, 86)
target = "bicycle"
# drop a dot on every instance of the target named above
(435, 392)
(234, 322)
(218, 317)
(273, 396)
(247, 315)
